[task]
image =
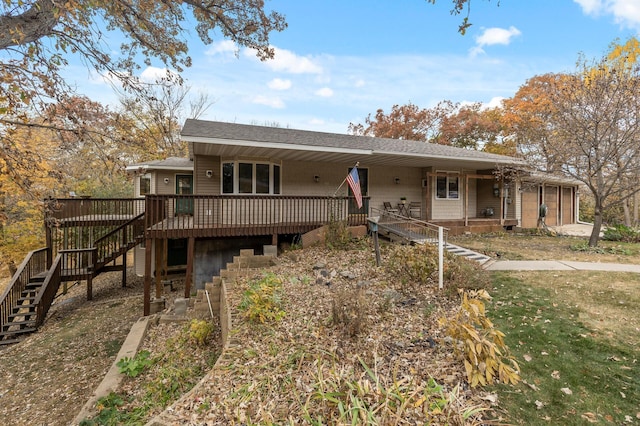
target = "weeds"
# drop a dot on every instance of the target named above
(132, 367)
(169, 374)
(262, 302)
(349, 310)
(362, 396)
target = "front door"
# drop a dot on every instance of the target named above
(184, 186)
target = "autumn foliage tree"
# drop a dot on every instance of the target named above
(407, 122)
(586, 125)
(38, 38)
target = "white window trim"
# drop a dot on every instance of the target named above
(448, 177)
(236, 180)
(144, 176)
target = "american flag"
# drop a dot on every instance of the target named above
(354, 183)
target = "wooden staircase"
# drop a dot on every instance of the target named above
(22, 316)
(33, 288)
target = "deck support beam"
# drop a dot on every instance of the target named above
(189, 276)
(147, 276)
(90, 286)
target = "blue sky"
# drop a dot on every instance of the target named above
(340, 60)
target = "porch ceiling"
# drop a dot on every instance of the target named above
(364, 156)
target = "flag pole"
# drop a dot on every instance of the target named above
(345, 179)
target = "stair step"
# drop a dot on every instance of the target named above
(22, 325)
(29, 299)
(11, 341)
(5, 335)
(25, 305)
(21, 314)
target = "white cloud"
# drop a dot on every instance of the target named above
(495, 102)
(590, 7)
(154, 74)
(222, 48)
(625, 12)
(317, 122)
(492, 36)
(360, 83)
(279, 84)
(287, 61)
(270, 102)
(325, 92)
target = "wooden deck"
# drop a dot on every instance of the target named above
(476, 225)
(183, 216)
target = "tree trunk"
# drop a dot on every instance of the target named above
(597, 225)
(627, 212)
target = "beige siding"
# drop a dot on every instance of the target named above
(202, 183)
(298, 179)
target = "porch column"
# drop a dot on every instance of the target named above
(188, 278)
(147, 276)
(466, 200)
(502, 202)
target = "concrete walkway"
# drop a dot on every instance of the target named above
(557, 265)
(575, 230)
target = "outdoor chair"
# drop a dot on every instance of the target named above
(415, 210)
(389, 208)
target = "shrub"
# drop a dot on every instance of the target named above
(262, 302)
(349, 310)
(337, 236)
(462, 273)
(413, 265)
(200, 331)
(621, 233)
(481, 345)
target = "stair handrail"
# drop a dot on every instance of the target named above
(414, 223)
(46, 295)
(129, 235)
(34, 263)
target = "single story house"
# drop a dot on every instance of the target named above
(245, 186)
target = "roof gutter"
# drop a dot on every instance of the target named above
(277, 145)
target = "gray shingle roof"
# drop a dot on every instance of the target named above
(167, 163)
(275, 135)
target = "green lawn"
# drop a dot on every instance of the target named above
(575, 336)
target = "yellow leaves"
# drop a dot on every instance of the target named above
(479, 343)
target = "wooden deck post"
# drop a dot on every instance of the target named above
(124, 269)
(158, 272)
(189, 276)
(147, 276)
(90, 286)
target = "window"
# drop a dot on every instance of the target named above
(145, 184)
(447, 187)
(241, 177)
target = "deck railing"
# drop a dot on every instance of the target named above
(59, 211)
(48, 291)
(412, 228)
(34, 264)
(248, 215)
